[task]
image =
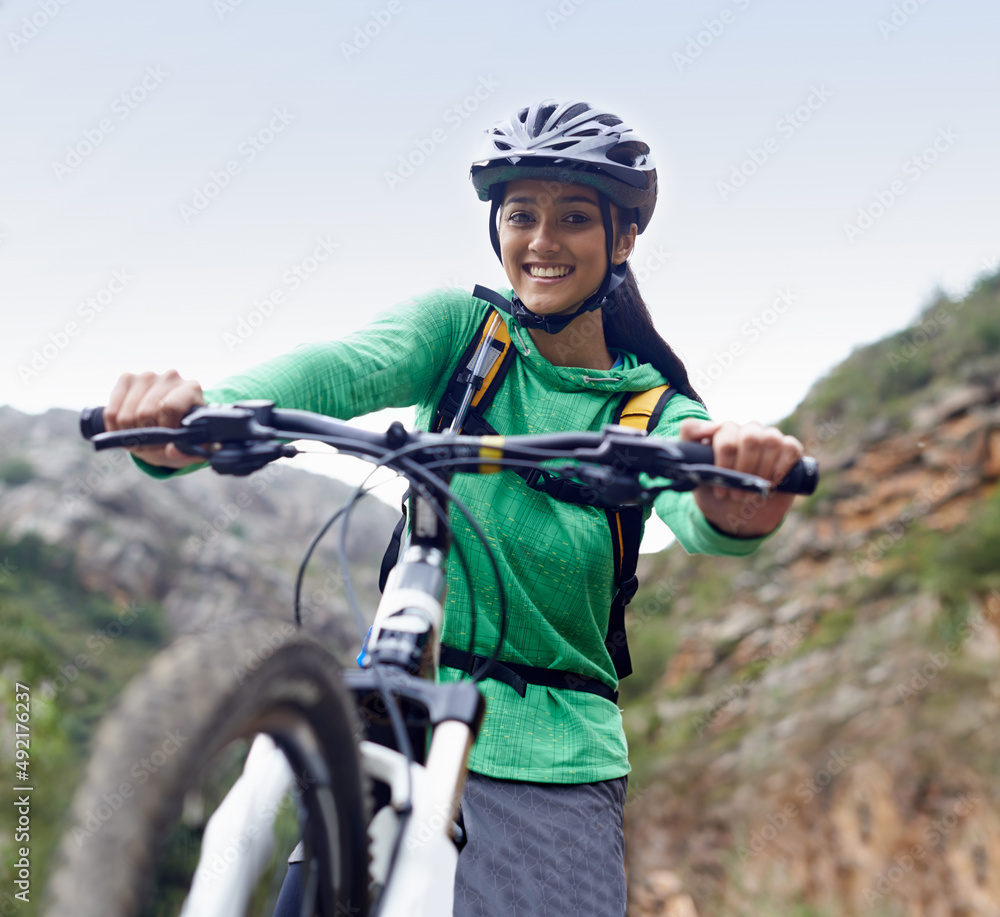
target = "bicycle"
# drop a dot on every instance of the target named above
(374, 757)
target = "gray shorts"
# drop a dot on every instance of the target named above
(542, 849)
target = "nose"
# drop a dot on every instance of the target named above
(545, 239)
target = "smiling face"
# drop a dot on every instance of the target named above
(553, 246)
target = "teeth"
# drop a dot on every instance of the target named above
(549, 271)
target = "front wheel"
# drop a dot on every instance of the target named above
(164, 760)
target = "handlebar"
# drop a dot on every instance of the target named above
(249, 434)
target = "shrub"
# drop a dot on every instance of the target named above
(16, 470)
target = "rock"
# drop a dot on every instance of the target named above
(207, 547)
(954, 402)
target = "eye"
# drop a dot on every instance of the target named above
(577, 218)
(519, 216)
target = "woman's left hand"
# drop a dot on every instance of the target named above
(753, 449)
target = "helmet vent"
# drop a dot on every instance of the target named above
(574, 110)
(629, 153)
(543, 114)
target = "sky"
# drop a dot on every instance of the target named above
(166, 169)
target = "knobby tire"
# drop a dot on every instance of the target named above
(195, 700)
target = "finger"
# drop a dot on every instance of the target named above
(178, 459)
(179, 401)
(170, 398)
(130, 414)
(725, 447)
(695, 430)
(726, 443)
(115, 400)
(749, 445)
(789, 453)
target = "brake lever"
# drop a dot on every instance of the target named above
(150, 436)
(712, 475)
(608, 488)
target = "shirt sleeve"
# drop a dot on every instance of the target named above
(679, 510)
(398, 360)
(404, 357)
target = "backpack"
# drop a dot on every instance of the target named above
(641, 410)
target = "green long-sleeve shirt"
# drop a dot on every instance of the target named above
(555, 558)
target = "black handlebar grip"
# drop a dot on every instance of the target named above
(92, 422)
(802, 479)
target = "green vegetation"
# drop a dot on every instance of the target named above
(16, 470)
(950, 341)
(74, 650)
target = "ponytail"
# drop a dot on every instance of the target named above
(629, 326)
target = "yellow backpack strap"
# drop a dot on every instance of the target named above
(491, 350)
(496, 328)
(641, 410)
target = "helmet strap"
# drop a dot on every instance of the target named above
(496, 199)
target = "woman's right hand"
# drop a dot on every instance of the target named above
(153, 400)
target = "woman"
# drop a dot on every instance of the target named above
(570, 188)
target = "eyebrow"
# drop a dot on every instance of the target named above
(573, 199)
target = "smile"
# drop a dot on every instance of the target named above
(536, 271)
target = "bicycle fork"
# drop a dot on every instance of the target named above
(416, 870)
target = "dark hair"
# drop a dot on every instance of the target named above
(629, 326)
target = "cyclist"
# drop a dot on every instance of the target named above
(570, 188)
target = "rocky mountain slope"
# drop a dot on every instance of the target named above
(816, 731)
(208, 548)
